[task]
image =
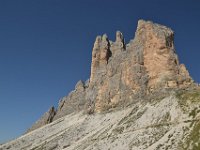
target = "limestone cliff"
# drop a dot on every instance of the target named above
(139, 95)
(122, 74)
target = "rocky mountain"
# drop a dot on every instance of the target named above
(138, 97)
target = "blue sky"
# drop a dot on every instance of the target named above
(46, 45)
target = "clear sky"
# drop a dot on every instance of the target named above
(46, 45)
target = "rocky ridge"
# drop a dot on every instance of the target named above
(138, 97)
(122, 74)
(171, 122)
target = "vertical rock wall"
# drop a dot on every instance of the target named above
(124, 73)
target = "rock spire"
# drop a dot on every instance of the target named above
(122, 74)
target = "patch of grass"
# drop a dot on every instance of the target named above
(166, 117)
(133, 112)
(160, 125)
(187, 121)
(193, 113)
(104, 134)
(187, 97)
(133, 118)
(159, 146)
(192, 95)
(118, 130)
(194, 138)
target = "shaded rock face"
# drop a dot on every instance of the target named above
(45, 119)
(74, 102)
(122, 74)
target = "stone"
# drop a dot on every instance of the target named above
(80, 86)
(45, 119)
(165, 123)
(119, 45)
(123, 74)
(74, 102)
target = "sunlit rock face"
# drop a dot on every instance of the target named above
(146, 64)
(138, 96)
(45, 119)
(160, 60)
(123, 74)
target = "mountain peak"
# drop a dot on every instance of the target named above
(122, 74)
(148, 100)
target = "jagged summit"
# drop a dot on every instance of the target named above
(122, 74)
(146, 64)
(140, 96)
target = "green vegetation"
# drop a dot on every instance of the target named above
(133, 112)
(133, 117)
(194, 138)
(193, 113)
(159, 146)
(185, 98)
(118, 130)
(193, 95)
